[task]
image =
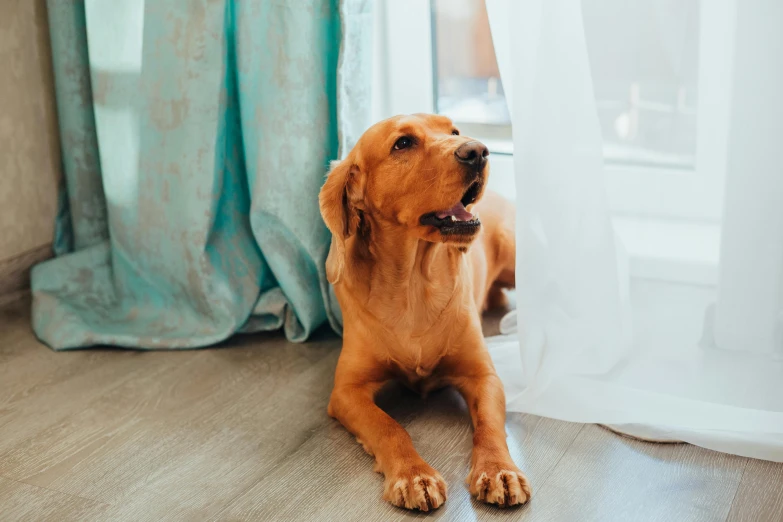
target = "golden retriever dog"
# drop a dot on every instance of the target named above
(413, 266)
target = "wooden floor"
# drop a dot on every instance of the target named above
(241, 433)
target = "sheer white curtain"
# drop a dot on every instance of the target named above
(697, 362)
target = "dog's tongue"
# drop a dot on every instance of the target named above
(459, 212)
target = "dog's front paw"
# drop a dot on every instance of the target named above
(415, 487)
(499, 483)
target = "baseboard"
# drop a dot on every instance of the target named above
(15, 273)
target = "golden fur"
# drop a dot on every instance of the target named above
(411, 296)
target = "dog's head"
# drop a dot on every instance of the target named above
(415, 173)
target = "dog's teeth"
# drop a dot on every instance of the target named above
(454, 218)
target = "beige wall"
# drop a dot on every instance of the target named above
(29, 148)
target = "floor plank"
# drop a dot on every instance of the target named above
(340, 484)
(760, 495)
(179, 438)
(25, 502)
(240, 432)
(605, 477)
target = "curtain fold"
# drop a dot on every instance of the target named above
(81, 220)
(195, 136)
(660, 359)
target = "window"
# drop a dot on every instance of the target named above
(661, 80)
(645, 79)
(468, 88)
(643, 57)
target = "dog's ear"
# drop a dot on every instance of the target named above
(339, 213)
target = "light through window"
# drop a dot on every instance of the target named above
(467, 81)
(644, 61)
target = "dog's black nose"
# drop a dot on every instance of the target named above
(472, 153)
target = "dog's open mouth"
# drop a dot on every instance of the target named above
(457, 219)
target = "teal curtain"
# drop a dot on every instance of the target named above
(195, 137)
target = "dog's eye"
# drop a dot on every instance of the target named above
(403, 143)
(455, 132)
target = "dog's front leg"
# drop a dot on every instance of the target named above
(409, 481)
(493, 477)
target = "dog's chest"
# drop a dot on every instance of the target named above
(416, 354)
(420, 376)
(426, 327)
(420, 317)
